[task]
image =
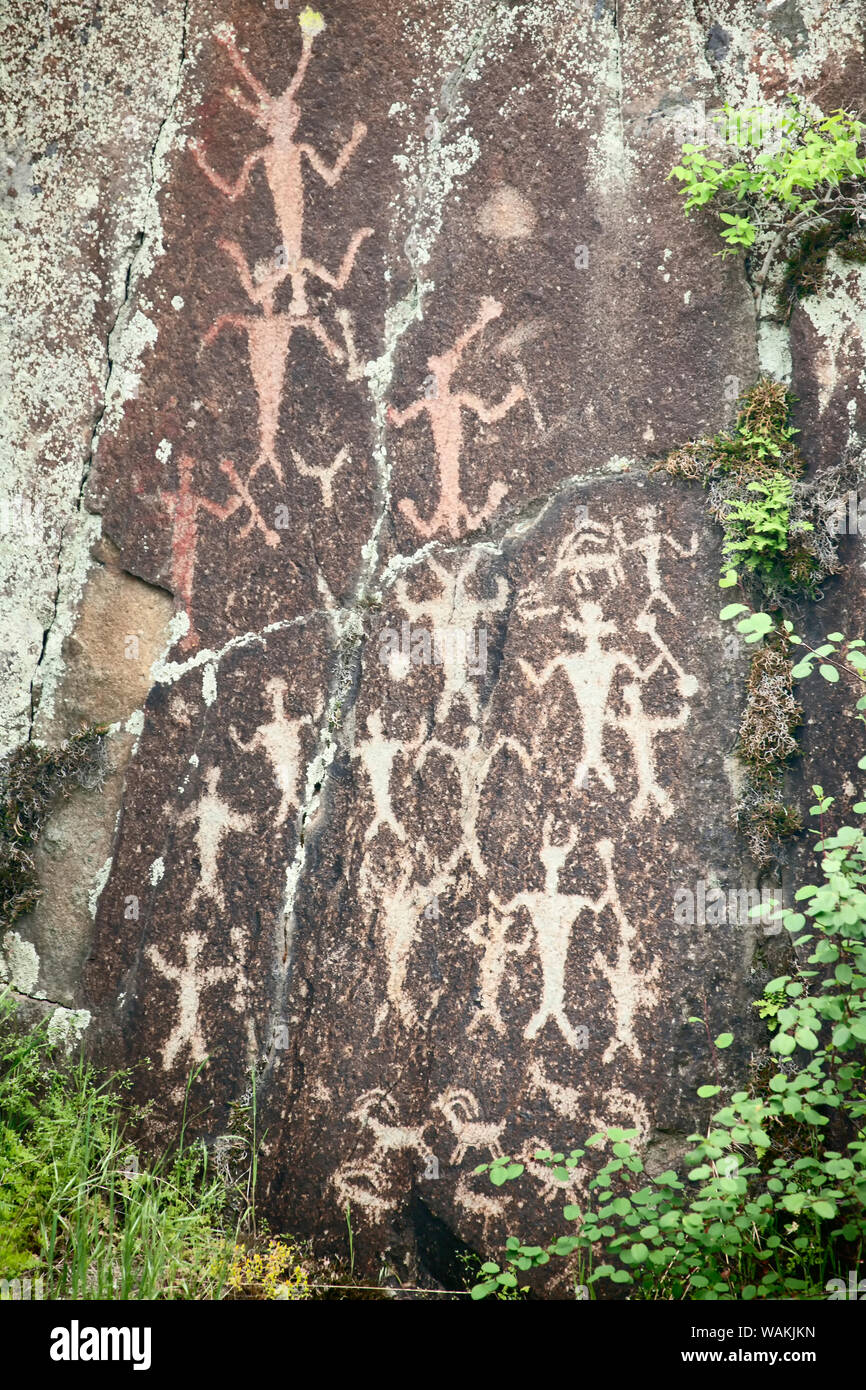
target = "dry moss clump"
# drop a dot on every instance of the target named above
(31, 780)
(771, 716)
(778, 527)
(805, 269)
(766, 743)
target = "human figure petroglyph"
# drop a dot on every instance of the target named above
(590, 673)
(462, 610)
(377, 754)
(214, 819)
(641, 729)
(190, 980)
(399, 912)
(493, 934)
(632, 993)
(268, 338)
(280, 741)
(444, 408)
(281, 158)
(553, 915)
(183, 507)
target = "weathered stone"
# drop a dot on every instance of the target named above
(410, 311)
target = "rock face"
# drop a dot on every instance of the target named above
(440, 734)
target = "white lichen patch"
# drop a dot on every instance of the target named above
(838, 315)
(19, 964)
(99, 882)
(209, 684)
(66, 1027)
(135, 723)
(73, 83)
(157, 870)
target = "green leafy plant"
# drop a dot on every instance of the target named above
(805, 175)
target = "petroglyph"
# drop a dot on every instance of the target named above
(190, 980)
(471, 1131)
(591, 671)
(183, 507)
(377, 755)
(280, 741)
(214, 819)
(631, 993)
(281, 159)
(444, 409)
(323, 476)
(398, 913)
(269, 332)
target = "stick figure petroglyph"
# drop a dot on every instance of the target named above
(190, 979)
(280, 741)
(214, 819)
(641, 729)
(444, 408)
(183, 507)
(281, 158)
(631, 993)
(244, 499)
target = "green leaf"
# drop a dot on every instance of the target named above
(732, 610)
(724, 1040)
(706, 1091)
(829, 673)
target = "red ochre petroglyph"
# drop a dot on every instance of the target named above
(444, 408)
(269, 332)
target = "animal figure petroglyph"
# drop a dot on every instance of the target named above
(365, 1181)
(444, 408)
(461, 1110)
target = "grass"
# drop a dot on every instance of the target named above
(84, 1212)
